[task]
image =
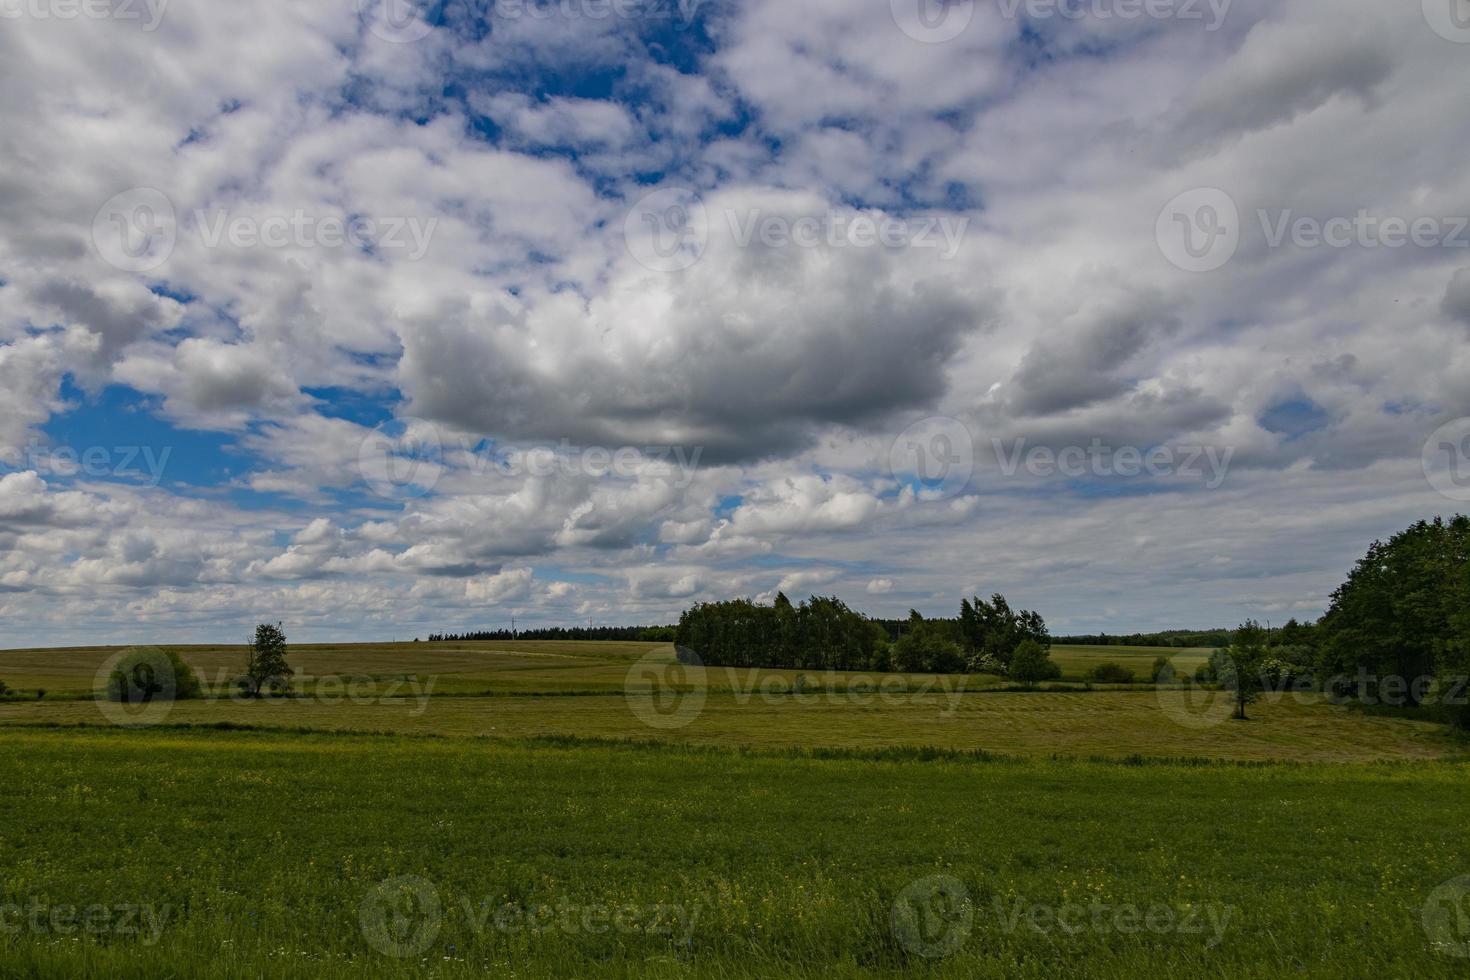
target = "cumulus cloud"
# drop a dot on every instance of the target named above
(518, 311)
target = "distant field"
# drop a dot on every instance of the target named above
(265, 855)
(513, 690)
(1077, 661)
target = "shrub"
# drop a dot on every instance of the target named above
(4, 690)
(1111, 673)
(1161, 670)
(149, 674)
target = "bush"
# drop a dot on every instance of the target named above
(986, 664)
(4, 690)
(1111, 673)
(150, 674)
(1161, 670)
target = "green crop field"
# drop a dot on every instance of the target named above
(546, 809)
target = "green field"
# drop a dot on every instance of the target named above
(540, 810)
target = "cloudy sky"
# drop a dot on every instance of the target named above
(381, 319)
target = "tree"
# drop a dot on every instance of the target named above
(266, 665)
(1031, 663)
(1247, 661)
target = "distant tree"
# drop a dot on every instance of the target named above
(1112, 673)
(266, 666)
(1031, 664)
(150, 674)
(4, 690)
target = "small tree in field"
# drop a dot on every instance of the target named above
(266, 666)
(1031, 663)
(1247, 656)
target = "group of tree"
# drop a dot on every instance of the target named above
(1396, 633)
(822, 633)
(623, 634)
(1404, 615)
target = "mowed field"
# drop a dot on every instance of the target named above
(608, 690)
(593, 810)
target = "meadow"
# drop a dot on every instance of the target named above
(541, 810)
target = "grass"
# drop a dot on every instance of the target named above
(723, 824)
(257, 852)
(531, 689)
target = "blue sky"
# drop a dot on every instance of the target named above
(381, 319)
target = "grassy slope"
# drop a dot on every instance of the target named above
(266, 845)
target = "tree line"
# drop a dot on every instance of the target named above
(1163, 638)
(621, 634)
(823, 633)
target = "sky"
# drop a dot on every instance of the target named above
(379, 318)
